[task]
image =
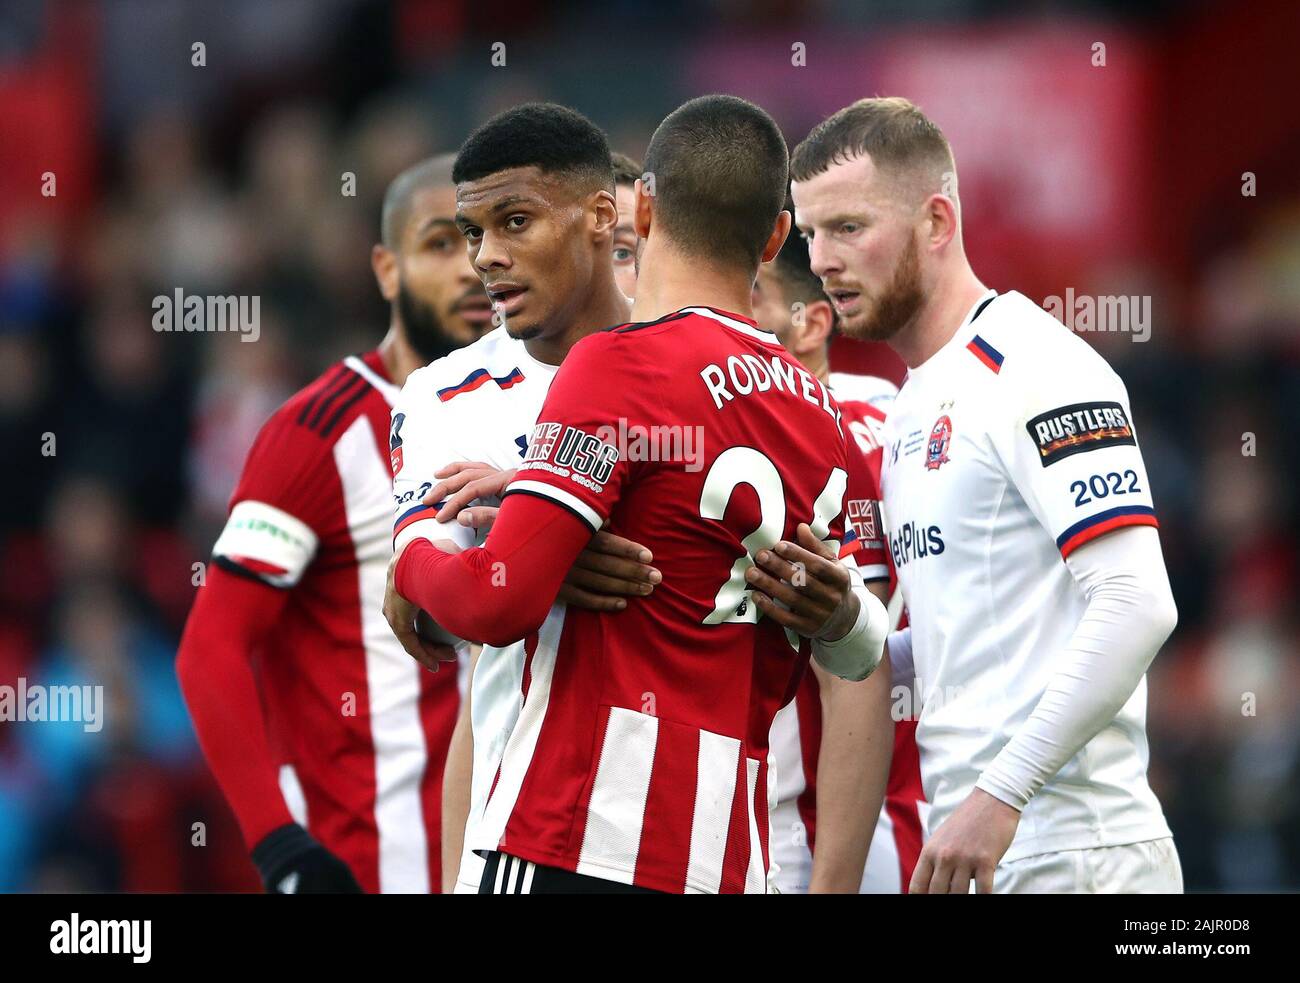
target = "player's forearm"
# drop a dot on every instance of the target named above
(500, 592)
(221, 692)
(856, 653)
(1129, 615)
(457, 776)
(852, 774)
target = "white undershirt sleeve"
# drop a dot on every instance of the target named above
(1130, 613)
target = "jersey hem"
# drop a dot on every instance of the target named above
(655, 880)
(1061, 842)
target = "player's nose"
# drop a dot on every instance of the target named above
(822, 258)
(491, 254)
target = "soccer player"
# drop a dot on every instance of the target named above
(826, 743)
(327, 741)
(1021, 525)
(626, 174)
(536, 201)
(639, 757)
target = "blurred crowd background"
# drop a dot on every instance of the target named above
(1163, 164)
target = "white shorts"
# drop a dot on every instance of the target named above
(1150, 867)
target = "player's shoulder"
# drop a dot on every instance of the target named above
(866, 395)
(495, 357)
(324, 408)
(1028, 349)
(632, 342)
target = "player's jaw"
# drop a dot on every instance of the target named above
(879, 316)
(431, 335)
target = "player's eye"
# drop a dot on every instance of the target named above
(442, 244)
(516, 222)
(472, 232)
(622, 254)
(849, 228)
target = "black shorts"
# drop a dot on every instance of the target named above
(525, 877)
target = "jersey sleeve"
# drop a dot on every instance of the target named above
(573, 456)
(420, 444)
(282, 506)
(1072, 452)
(864, 532)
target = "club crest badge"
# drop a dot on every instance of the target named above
(936, 448)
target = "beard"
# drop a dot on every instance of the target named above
(424, 329)
(898, 304)
(521, 332)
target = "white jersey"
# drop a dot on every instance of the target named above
(873, 389)
(477, 404)
(1006, 450)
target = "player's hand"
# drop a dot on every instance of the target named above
(290, 861)
(607, 572)
(401, 613)
(464, 481)
(804, 587)
(967, 846)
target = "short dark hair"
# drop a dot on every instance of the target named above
(429, 173)
(892, 131)
(793, 266)
(626, 170)
(720, 167)
(553, 138)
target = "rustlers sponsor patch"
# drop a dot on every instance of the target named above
(1077, 428)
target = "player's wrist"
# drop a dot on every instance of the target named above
(856, 654)
(842, 619)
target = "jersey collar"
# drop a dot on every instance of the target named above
(960, 338)
(736, 322)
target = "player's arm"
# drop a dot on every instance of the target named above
(607, 572)
(1130, 612)
(564, 490)
(818, 588)
(500, 592)
(853, 762)
(265, 548)
(1105, 531)
(457, 776)
(230, 618)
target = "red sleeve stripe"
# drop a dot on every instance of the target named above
(1102, 523)
(850, 547)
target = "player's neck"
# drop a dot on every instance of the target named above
(940, 316)
(606, 307)
(399, 358)
(669, 281)
(818, 363)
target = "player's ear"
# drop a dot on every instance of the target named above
(818, 320)
(777, 238)
(605, 211)
(643, 212)
(383, 261)
(942, 221)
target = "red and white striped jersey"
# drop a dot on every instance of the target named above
(640, 753)
(796, 732)
(362, 730)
